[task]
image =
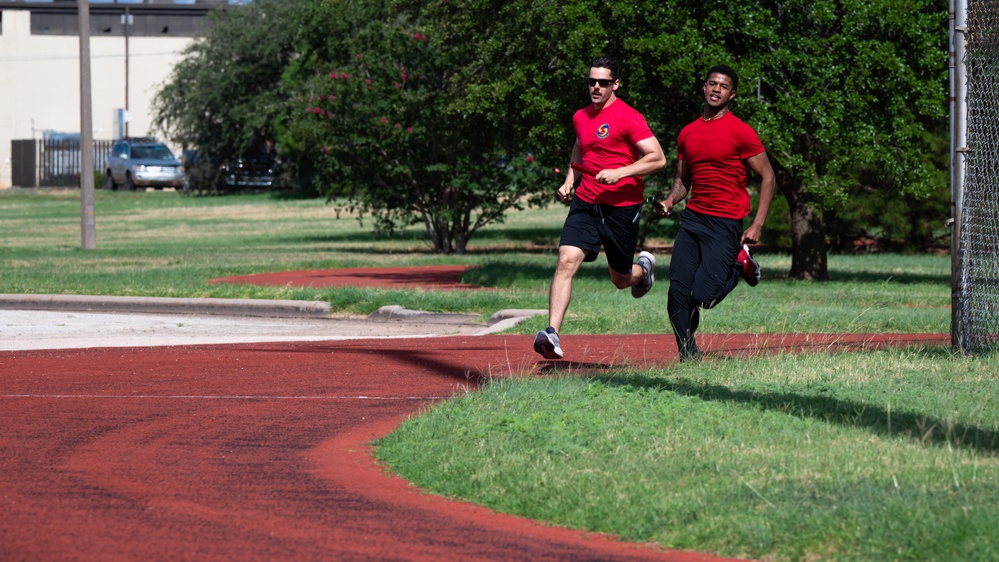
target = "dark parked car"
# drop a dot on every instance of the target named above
(249, 172)
(206, 175)
(142, 163)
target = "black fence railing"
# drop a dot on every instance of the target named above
(52, 163)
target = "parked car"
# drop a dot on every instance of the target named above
(142, 163)
(249, 172)
(208, 175)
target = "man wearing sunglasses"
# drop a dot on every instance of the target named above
(614, 149)
(710, 252)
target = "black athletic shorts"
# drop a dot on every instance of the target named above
(590, 226)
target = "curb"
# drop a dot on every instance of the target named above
(228, 307)
(396, 312)
(499, 321)
(504, 319)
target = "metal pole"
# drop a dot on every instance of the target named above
(958, 156)
(127, 22)
(88, 229)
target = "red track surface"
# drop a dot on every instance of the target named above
(260, 451)
(444, 277)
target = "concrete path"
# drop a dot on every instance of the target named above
(78, 321)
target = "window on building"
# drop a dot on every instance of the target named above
(143, 25)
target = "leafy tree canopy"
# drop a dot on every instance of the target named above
(224, 96)
(373, 117)
(840, 91)
(848, 96)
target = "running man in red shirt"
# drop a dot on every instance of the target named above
(614, 149)
(710, 252)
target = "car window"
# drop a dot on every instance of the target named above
(152, 152)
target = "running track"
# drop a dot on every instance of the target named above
(259, 451)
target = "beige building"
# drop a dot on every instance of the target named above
(40, 66)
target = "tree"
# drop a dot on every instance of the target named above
(223, 97)
(846, 93)
(848, 96)
(529, 61)
(375, 121)
(837, 89)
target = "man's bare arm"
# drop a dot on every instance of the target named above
(564, 192)
(652, 161)
(679, 191)
(760, 165)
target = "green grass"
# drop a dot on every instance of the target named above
(164, 244)
(885, 455)
(882, 455)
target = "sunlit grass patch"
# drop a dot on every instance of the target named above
(877, 455)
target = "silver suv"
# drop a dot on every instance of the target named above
(143, 163)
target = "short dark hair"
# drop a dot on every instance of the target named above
(609, 63)
(727, 71)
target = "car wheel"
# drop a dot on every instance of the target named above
(109, 183)
(129, 184)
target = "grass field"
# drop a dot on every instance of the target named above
(882, 455)
(164, 244)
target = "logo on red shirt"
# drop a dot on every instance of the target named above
(603, 131)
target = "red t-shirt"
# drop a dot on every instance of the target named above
(608, 139)
(715, 152)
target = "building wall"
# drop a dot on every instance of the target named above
(40, 82)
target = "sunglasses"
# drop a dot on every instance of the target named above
(604, 82)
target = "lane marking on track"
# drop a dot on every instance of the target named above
(213, 397)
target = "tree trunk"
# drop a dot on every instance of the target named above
(438, 236)
(809, 259)
(460, 243)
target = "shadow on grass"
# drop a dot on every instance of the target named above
(851, 276)
(864, 271)
(503, 273)
(921, 429)
(545, 237)
(561, 367)
(844, 276)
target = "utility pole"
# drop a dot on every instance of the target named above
(126, 21)
(88, 229)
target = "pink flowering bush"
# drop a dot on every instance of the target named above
(382, 131)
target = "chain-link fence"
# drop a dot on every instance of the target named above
(977, 277)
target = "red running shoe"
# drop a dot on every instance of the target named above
(750, 267)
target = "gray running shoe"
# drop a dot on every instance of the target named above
(648, 263)
(546, 343)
